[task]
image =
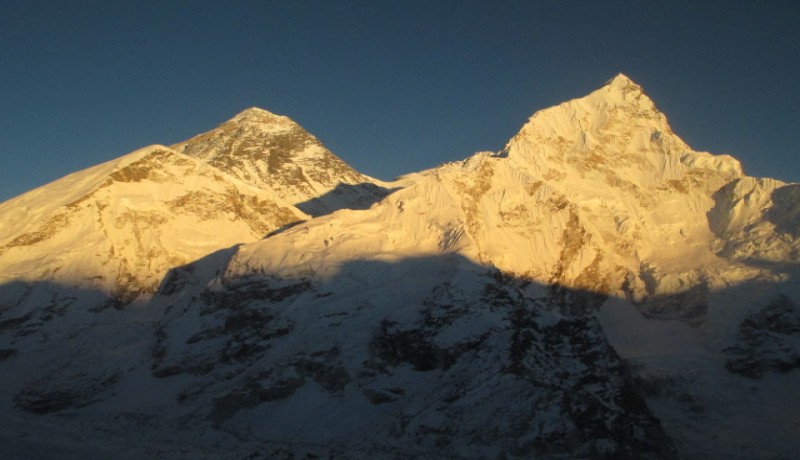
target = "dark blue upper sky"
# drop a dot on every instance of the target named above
(391, 87)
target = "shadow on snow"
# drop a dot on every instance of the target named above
(433, 355)
(344, 196)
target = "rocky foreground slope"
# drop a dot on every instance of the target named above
(595, 289)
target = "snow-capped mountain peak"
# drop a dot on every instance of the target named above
(614, 131)
(623, 82)
(619, 102)
(272, 151)
(596, 289)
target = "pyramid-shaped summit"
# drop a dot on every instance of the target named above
(620, 101)
(615, 134)
(273, 152)
(621, 80)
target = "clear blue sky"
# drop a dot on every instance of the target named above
(391, 87)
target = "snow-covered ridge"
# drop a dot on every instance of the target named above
(121, 225)
(255, 115)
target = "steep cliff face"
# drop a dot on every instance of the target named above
(757, 219)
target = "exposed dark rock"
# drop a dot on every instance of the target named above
(435, 373)
(41, 398)
(770, 341)
(6, 353)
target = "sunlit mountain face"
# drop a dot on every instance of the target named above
(593, 289)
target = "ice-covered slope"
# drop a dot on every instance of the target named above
(118, 227)
(757, 220)
(272, 151)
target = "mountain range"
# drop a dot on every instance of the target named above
(594, 289)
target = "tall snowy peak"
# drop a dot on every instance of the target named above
(609, 167)
(614, 132)
(596, 194)
(272, 151)
(596, 209)
(596, 289)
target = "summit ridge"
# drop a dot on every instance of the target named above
(259, 115)
(621, 80)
